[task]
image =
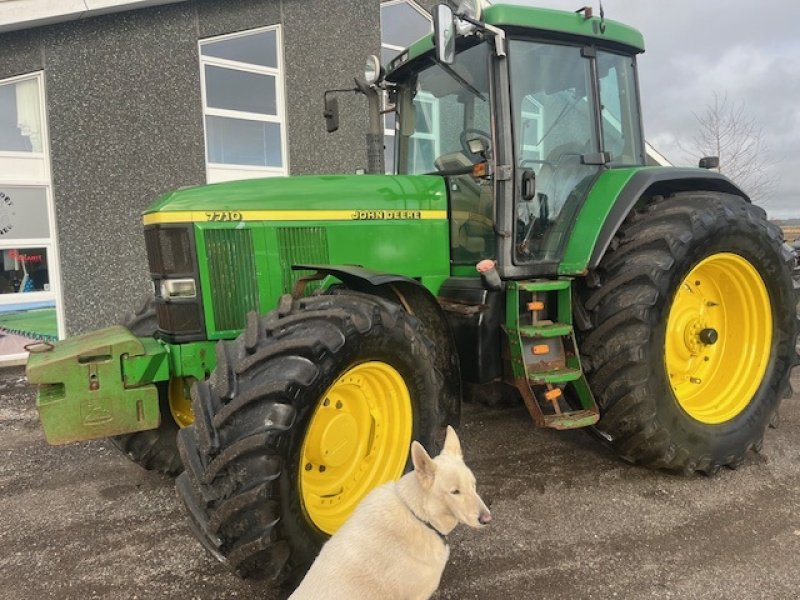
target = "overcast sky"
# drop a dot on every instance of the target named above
(746, 48)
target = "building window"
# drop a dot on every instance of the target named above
(531, 123)
(243, 105)
(403, 22)
(30, 307)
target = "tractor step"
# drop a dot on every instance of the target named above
(572, 420)
(560, 375)
(544, 285)
(544, 354)
(545, 330)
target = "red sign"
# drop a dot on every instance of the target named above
(30, 258)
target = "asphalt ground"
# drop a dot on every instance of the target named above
(570, 520)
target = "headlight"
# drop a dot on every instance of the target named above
(178, 288)
(372, 70)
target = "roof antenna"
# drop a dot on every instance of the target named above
(602, 18)
(586, 10)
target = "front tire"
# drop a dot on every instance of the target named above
(694, 332)
(312, 406)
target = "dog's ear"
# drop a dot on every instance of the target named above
(452, 445)
(424, 467)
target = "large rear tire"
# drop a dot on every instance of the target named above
(694, 330)
(312, 406)
(156, 449)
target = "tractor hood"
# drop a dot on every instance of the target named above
(345, 197)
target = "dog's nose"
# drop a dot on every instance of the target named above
(485, 518)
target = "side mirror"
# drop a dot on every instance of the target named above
(331, 113)
(709, 162)
(444, 34)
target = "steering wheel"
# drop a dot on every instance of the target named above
(470, 133)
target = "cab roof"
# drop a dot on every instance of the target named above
(543, 21)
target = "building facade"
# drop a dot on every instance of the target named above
(107, 104)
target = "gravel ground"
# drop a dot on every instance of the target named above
(570, 521)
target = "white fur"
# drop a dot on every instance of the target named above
(383, 551)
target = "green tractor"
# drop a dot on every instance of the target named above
(304, 330)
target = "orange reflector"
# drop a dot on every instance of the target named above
(540, 349)
(536, 305)
(480, 170)
(553, 394)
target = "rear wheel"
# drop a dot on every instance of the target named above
(694, 332)
(157, 449)
(314, 405)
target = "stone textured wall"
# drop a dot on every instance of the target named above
(125, 121)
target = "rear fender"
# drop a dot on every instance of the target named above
(614, 195)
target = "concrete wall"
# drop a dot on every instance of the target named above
(125, 121)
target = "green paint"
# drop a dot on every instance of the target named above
(592, 215)
(149, 367)
(568, 23)
(317, 192)
(250, 267)
(192, 359)
(81, 391)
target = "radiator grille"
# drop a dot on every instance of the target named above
(297, 246)
(232, 276)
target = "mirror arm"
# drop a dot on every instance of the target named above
(499, 34)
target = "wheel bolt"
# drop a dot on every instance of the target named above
(695, 380)
(326, 402)
(322, 468)
(709, 336)
(309, 466)
(339, 404)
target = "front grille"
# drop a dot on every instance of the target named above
(232, 276)
(170, 250)
(298, 246)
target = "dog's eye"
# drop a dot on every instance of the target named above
(454, 492)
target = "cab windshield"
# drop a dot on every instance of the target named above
(445, 115)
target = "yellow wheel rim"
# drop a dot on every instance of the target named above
(358, 438)
(718, 338)
(180, 402)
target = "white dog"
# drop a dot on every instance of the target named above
(394, 544)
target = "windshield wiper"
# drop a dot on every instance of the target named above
(450, 71)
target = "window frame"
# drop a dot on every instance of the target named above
(389, 134)
(33, 170)
(218, 172)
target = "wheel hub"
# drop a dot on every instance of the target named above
(333, 441)
(357, 439)
(718, 337)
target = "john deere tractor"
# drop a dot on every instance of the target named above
(305, 329)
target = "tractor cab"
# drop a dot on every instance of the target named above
(520, 121)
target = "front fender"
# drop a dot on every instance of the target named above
(418, 301)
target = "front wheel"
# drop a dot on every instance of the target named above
(309, 409)
(694, 332)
